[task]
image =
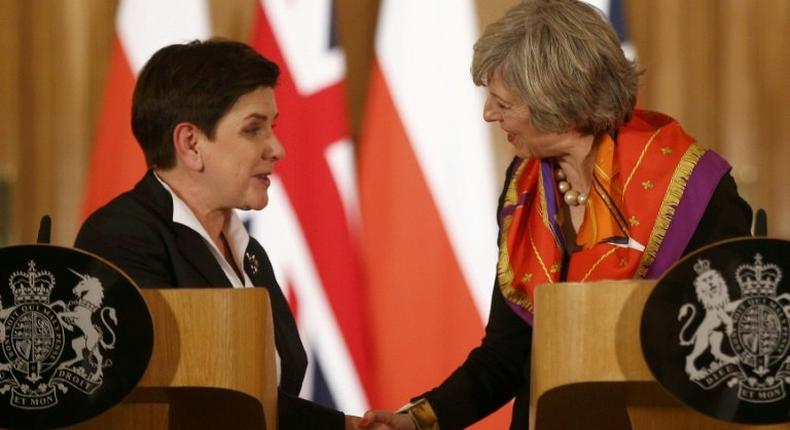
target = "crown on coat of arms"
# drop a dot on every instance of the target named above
(702, 266)
(758, 279)
(32, 286)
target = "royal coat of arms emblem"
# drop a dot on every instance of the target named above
(756, 325)
(715, 331)
(32, 334)
(75, 336)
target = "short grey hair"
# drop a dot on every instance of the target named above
(563, 59)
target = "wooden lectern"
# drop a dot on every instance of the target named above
(587, 366)
(212, 365)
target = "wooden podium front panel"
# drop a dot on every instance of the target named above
(585, 347)
(212, 364)
(220, 339)
(588, 332)
(663, 418)
(587, 365)
(149, 416)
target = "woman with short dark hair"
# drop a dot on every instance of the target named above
(204, 113)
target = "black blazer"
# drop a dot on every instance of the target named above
(136, 232)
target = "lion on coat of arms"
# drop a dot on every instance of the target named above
(711, 290)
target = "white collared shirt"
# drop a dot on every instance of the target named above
(233, 230)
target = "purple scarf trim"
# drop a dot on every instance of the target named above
(547, 172)
(509, 209)
(700, 187)
(521, 312)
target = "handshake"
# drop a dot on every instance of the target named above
(418, 415)
(381, 420)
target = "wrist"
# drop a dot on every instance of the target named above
(422, 415)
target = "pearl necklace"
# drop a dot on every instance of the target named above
(571, 197)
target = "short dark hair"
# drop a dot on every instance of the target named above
(196, 82)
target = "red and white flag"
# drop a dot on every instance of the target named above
(308, 228)
(142, 27)
(427, 198)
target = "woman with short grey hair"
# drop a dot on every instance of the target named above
(598, 190)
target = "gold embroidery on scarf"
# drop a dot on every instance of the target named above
(540, 259)
(677, 186)
(600, 260)
(647, 185)
(639, 160)
(601, 172)
(543, 206)
(505, 275)
(590, 211)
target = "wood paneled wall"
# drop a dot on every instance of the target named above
(722, 67)
(719, 66)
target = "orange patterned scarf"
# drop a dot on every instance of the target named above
(638, 182)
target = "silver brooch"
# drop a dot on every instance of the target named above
(254, 265)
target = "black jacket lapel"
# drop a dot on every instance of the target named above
(286, 337)
(191, 246)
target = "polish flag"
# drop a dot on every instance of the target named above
(142, 27)
(427, 198)
(310, 226)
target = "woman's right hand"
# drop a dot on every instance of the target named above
(385, 420)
